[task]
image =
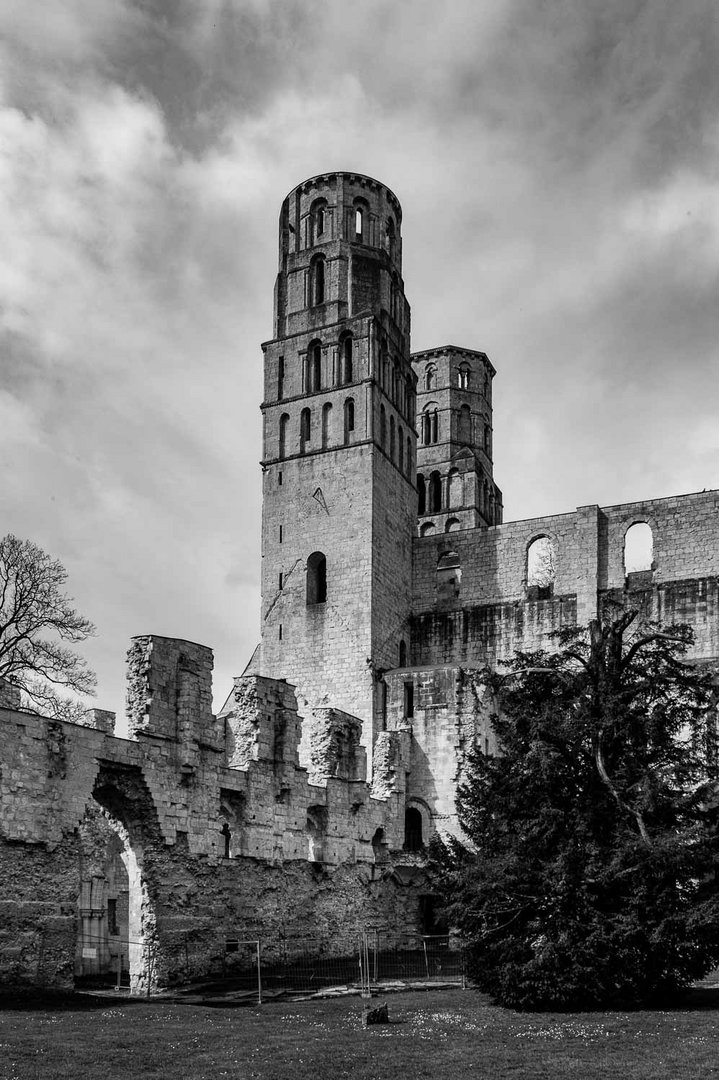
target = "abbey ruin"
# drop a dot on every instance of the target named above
(389, 580)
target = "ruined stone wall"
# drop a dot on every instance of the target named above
(492, 612)
(301, 860)
(444, 711)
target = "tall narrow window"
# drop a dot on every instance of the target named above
(408, 699)
(400, 447)
(391, 238)
(326, 425)
(316, 578)
(305, 429)
(408, 459)
(487, 439)
(320, 220)
(347, 360)
(314, 368)
(449, 576)
(382, 427)
(318, 280)
(403, 654)
(280, 378)
(540, 569)
(359, 223)
(413, 829)
(391, 438)
(349, 420)
(463, 377)
(638, 548)
(284, 422)
(435, 426)
(421, 494)
(434, 494)
(430, 373)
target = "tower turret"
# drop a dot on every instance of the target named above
(339, 458)
(455, 484)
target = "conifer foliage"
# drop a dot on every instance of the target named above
(589, 878)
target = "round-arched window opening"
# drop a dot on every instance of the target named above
(413, 839)
(638, 548)
(541, 569)
(316, 578)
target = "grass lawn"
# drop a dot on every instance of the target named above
(432, 1034)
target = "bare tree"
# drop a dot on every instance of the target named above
(36, 620)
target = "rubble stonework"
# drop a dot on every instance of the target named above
(389, 582)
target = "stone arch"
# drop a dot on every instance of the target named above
(541, 567)
(427, 528)
(126, 804)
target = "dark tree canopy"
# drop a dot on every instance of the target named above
(589, 879)
(37, 619)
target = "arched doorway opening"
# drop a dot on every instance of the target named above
(117, 924)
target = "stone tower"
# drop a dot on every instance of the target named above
(339, 457)
(454, 456)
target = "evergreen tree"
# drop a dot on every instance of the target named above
(589, 877)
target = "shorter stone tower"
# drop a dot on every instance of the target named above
(454, 454)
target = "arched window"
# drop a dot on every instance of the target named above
(284, 422)
(638, 548)
(430, 374)
(400, 447)
(540, 569)
(379, 846)
(455, 493)
(385, 368)
(452, 525)
(408, 458)
(346, 360)
(487, 439)
(434, 493)
(403, 654)
(317, 280)
(449, 576)
(464, 428)
(427, 528)
(394, 298)
(395, 380)
(318, 221)
(391, 438)
(305, 429)
(349, 420)
(382, 427)
(314, 367)
(430, 423)
(326, 425)
(391, 238)
(316, 579)
(421, 494)
(360, 214)
(463, 376)
(413, 829)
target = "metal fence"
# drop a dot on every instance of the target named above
(273, 966)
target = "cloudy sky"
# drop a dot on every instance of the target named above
(557, 163)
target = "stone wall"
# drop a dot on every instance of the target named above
(493, 612)
(222, 830)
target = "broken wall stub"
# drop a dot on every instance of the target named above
(445, 711)
(216, 839)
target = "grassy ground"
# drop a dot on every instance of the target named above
(432, 1034)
